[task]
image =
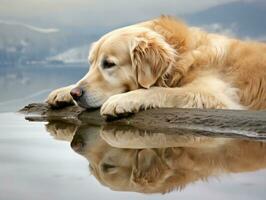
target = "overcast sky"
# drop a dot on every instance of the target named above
(84, 12)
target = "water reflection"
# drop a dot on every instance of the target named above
(126, 159)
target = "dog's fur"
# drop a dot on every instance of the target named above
(161, 170)
(164, 63)
(155, 166)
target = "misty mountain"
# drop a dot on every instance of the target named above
(73, 55)
(22, 43)
(246, 18)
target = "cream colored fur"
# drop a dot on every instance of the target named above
(164, 63)
(130, 160)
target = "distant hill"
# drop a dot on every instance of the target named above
(22, 43)
(73, 55)
(248, 18)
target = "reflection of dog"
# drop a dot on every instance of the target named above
(61, 131)
(153, 170)
(192, 69)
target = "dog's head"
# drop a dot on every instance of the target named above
(138, 170)
(145, 170)
(123, 60)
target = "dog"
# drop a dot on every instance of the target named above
(125, 159)
(162, 170)
(165, 63)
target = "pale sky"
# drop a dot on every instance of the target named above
(84, 12)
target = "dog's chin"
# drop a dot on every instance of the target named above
(91, 100)
(87, 106)
(91, 108)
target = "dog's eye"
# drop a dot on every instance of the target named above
(107, 64)
(107, 167)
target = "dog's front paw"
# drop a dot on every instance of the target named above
(121, 105)
(61, 131)
(60, 98)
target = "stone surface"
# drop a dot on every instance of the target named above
(217, 123)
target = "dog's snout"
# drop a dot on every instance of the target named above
(77, 143)
(76, 93)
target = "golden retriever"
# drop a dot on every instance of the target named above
(164, 63)
(128, 160)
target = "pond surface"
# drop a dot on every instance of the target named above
(64, 161)
(25, 84)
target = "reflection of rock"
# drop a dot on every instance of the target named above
(127, 159)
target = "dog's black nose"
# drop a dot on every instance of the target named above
(76, 93)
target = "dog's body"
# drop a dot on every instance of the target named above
(164, 63)
(126, 159)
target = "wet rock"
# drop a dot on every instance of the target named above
(208, 122)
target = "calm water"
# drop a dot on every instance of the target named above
(23, 85)
(64, 161)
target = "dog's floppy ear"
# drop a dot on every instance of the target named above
(151, 55)
(148, 169)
